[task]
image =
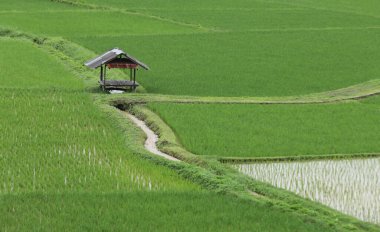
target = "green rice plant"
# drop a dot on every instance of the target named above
(23, 66)
(23, 6)
(350, 186)
(183, 4)
(59, 142)
(89, 23)
(66, 165)
(364, 7)
(272, 63)
(269, 18)
(370, 7)
(272, 130)
(145, 211)
(54, 139)
(63, 160)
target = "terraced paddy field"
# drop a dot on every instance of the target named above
(71, 161)
(269, 63)
(275, 130)
(62, 159)
(251, 49)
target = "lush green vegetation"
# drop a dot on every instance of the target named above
(367, 7)
(261, 49)
(255, 64)
(63, 160)
(265, 49)
(56, 140)
(67, 163)
(32, 70)
(143, 212)
(274, 130)
(267, 17)
(88, 23)
(23, 6)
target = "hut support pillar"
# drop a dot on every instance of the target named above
(101, 77)
(104, 76)
(134, 79)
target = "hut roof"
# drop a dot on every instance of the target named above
(111, 55)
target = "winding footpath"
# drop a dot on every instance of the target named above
(151, 140)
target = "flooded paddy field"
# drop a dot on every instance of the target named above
(349, 186)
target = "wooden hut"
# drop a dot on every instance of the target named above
(116, 58)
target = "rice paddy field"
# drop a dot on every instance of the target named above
(350, 186)
(69, 161)
(63, 160)
(240, 130)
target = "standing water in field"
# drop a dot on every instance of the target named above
(350, 186)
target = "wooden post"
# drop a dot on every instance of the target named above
(105, 68)
(104, 77)
(101, 73)
(101, 77)
(134, 79)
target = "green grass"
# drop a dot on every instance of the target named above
(144, 212)
(274, 130)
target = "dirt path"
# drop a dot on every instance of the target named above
(152, 138)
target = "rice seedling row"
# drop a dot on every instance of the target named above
(144, 211)
(350, 186)
(54, 139)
